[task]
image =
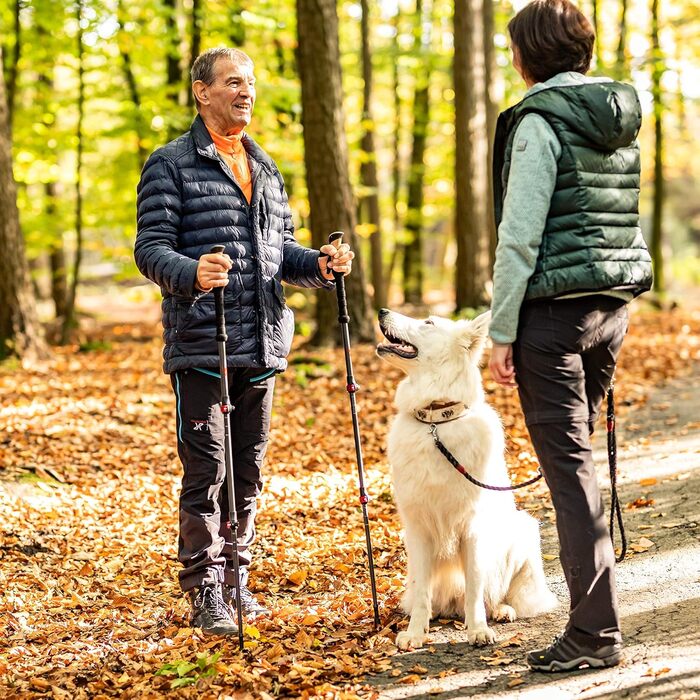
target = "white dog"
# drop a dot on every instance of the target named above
(470, 551)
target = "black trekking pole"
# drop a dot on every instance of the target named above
(335, 239)
(226, 408)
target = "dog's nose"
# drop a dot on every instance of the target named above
(383, 312)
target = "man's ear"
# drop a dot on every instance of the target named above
(201, 91)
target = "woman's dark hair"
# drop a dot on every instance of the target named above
(552, 36)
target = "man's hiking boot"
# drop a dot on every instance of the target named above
(566, 654)
(249, 604)
(210, 612)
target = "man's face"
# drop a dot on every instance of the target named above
(227, 104)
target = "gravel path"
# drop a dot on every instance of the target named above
(658, 582)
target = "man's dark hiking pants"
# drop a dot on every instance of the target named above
(564, 358)
(205, 542)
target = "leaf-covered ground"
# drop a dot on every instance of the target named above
(89, 482)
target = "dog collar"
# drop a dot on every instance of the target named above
(440, 411)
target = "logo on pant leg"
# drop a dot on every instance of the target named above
(200, 426)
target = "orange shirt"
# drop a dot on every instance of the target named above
(232, 151)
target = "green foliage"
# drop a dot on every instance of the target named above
(188, 673)
(306, 367)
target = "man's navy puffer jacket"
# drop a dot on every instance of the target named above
(188, 201)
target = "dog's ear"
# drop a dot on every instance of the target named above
(480, 324)
(473, 334)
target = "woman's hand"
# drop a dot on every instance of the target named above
(501, 364)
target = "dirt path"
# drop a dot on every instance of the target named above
(658, 582)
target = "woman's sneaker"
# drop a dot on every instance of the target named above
(210, 612)
(565, 654)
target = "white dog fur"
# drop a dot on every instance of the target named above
(470, 551)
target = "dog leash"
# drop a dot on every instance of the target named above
(453, 461)
(615, 509)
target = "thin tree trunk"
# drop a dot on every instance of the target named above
(13, 68)
(369, 205)
(196, 44)
(21, 334)
(326, 158)
(236, 25)
(56, 248)
(70, 318)
(491, 117)
(595, 19)
(621, 59)
(413, 248)
(132, 86)
(396, 157)
(472, 217)
(657, 234)
(173, 75)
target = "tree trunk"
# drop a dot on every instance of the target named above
(56, 249)
(122, 40)
(12, 70)
(196, 44)
(621, 59)
(657, 71)
(396, 157)
(472, 175)
(491, 118)
(413, 248)
(21, 334)
(236, 25)
(173, 76)
(369, 204)
(70, 318)
(326, 159)
(595, 19)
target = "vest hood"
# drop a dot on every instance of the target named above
(607, 114)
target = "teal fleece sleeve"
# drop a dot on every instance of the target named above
(531, 181)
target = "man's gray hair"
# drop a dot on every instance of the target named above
(204, 64)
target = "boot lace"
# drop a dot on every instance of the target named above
(209, 599)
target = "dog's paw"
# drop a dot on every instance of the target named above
(504, 613)
(410, 640)
(481, 635)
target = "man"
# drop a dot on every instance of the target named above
(215, 185)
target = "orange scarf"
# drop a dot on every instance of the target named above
(232, 151)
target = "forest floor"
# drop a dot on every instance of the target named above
(89, 481)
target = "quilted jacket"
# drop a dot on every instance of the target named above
(188, 201)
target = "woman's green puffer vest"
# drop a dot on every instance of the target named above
(592, 240)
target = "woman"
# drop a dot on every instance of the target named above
(570, 256)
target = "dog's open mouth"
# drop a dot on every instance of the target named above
(397, 346)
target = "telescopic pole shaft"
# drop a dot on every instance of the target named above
(226, 408)
(352, 388)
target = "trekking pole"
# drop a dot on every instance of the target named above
(226, 408)
(335, 239)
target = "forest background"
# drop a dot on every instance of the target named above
(413, 88)
(380, 115)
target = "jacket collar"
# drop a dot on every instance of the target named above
(206, 147)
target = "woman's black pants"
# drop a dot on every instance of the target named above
(564, 359)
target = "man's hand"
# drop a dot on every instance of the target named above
(501, 364)
(338, 260)
(212, 271)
